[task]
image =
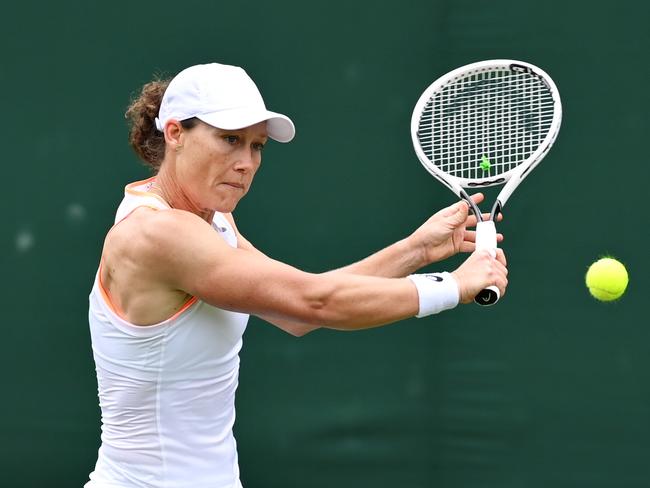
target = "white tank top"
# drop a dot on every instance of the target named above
(166, 391)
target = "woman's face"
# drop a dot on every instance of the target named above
(215, 167)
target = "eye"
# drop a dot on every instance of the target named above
(258, 146)
(231, 139)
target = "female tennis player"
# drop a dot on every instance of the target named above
(177, 282)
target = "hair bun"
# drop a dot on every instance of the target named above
(147, 142)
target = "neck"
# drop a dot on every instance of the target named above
(169, 190)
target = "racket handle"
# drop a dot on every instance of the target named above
(486, 239)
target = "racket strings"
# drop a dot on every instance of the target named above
(486, 123)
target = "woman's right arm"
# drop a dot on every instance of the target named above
(183, 252)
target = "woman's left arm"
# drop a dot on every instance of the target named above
(441, 236)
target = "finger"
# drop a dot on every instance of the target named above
(470, 236)
(500, 268)
(452, 209)
(477, 197)
(467, 246)
(502, 285)
(501, 257)
(484, 255)
(469, 242)
(499, 276)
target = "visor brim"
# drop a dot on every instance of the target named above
(279, 127)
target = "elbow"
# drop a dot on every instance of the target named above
(309, 304)
(321, 308)
(312, 305)
(301, 331)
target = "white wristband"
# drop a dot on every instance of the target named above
(436, 292)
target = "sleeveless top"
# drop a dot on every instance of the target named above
(166, 391)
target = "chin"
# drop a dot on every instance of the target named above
(225, 207)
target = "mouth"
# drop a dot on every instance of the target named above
(239, 186)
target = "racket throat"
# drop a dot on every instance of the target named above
(494, 213)
(496, 210)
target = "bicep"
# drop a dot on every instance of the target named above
(246, 281)
(238, 279)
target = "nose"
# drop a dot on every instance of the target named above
(247, 162)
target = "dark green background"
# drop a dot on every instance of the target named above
(549, 388)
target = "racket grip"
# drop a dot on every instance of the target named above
(486, 239)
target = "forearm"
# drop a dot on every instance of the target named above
(395, 261)
(361, 302)
(357, 307)
(333, 300)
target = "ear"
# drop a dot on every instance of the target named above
(173, 132)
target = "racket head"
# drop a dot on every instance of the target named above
(485, 123)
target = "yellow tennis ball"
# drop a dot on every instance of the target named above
(606, 279)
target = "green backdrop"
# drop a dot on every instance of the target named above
(549, 388)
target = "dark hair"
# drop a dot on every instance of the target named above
(147, 142)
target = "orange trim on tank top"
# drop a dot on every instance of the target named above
(107, 298)
(130, 189)
(106, 295)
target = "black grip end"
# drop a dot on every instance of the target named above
(487, 297)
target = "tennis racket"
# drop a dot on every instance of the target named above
(484, 124)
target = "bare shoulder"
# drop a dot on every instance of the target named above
(148, 236)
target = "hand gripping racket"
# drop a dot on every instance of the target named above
(484, 124)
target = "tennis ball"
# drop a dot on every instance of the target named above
(606, 279)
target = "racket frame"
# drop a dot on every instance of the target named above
(511, 178)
